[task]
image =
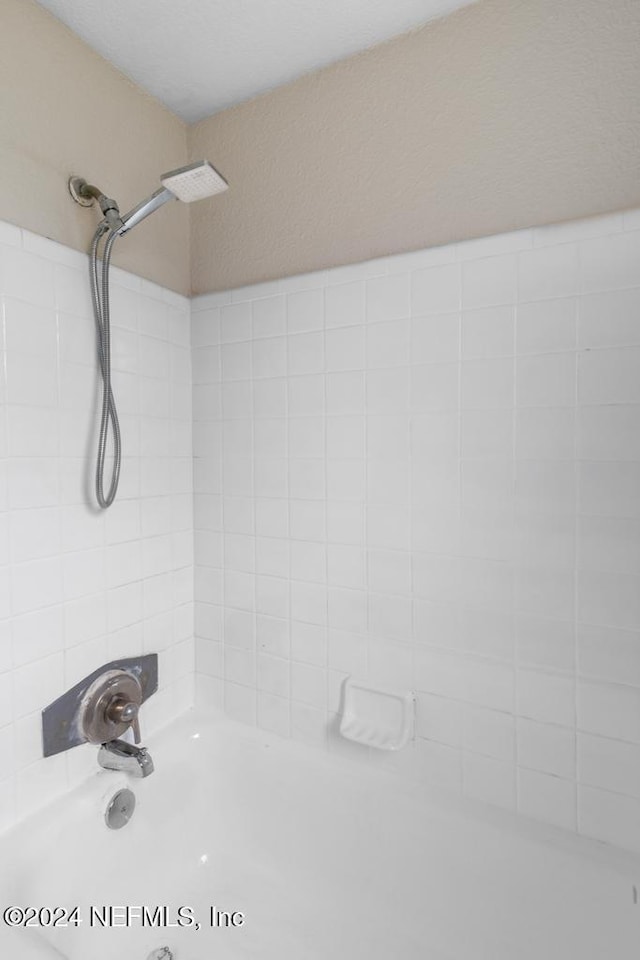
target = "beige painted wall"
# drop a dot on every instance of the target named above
(63, 110)
(506, 114)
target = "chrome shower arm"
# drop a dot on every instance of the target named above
(142, 210)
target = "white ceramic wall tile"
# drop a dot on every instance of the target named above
(608, 654)
(78, 587)
(609, 319)
(547, 798)
(609, 764)
(344, 304)
(610, 262)
(609, 710)
(547, 748)
(431, 480)
(489, 281)
(546, 326)
(610, 817)
(436, 289)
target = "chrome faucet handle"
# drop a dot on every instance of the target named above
(110, 707)
(123, 711)
(80, 714)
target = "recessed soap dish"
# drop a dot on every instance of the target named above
(377, 717)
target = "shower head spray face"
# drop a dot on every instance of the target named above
(194, 182)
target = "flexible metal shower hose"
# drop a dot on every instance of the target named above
(108, 414)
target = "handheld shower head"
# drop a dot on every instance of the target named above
(193, 182)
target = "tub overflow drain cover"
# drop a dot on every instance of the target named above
(119, 812)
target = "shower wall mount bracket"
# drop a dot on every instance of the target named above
(75, 185)
(102, 707)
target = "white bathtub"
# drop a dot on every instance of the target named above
(326, 859)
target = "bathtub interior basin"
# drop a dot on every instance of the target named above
(323, 857)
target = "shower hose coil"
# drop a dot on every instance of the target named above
(109, 423)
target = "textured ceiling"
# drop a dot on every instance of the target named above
(201, 56)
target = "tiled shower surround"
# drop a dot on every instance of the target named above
(422, 470)
(425, 471)
(78, 586)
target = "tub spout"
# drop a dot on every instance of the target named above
(119, 755)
